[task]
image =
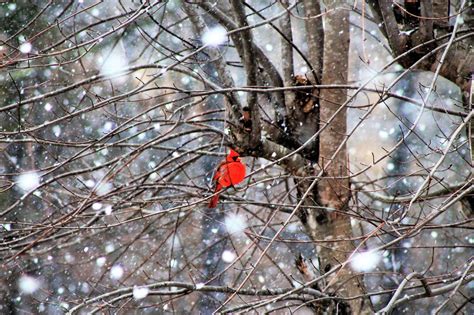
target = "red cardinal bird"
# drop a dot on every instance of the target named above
(229, 173)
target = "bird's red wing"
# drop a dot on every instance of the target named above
(227, 174)
(215, 199)
(236, 172)
(231, 174)
(224, 176)
(218, 179)
(218, 171)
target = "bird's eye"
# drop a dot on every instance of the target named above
(235, 158)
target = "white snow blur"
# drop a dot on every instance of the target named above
(228, 256)
(28, 284)
(116, 272)
(28, 181)
(235, 223)
(114, 63)
(100, 261)
(365, 261)
(214, 36)
(26, 47)
(140, 292)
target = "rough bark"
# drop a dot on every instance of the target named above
(314, 37)
(333, 189)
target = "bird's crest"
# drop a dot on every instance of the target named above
(232, 153)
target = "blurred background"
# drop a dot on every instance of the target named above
(112, 124)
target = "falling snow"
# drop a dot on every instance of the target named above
(365, 261)
(57, 131)
(109, 248)
(26, 48)
(140, 292)
(114, 64)
(235, 223)
(199, 285)
(116, 272)
(28, 284)
(108, 210)
(100, 261)
(214, 36)
(228, 256)
(113, 125)
(28, 181)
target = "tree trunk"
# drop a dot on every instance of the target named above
(333, 189)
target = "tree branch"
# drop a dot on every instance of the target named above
(395, 40)
(234, 107)
(269, 70)
(186, 288)
(250, 65)
(434, 292)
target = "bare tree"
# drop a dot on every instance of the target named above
(353, 120)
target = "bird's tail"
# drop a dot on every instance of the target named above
(215, 198)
